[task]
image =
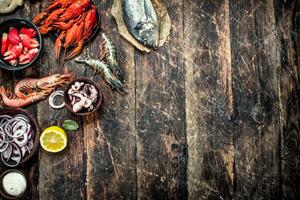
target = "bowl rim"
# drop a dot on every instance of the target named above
(37, 131)
(6, 66)
(97, 104)
(2, 191)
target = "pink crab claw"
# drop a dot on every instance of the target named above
(25, 50)
(13, 62)
(28, 31)
(14, 52)
(27, 58)
(29, 42)
(13, 36)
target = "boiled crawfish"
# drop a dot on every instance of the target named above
(74, 22)
(31, 90)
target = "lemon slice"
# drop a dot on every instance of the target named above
(53, 139)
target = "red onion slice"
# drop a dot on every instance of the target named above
(16, 138)
(3, 146)
(21, 141)
(30, 144)
(15, 158)
(22, 117)
(7, 153)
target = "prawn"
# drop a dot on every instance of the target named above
(111, 57)
(104, 70)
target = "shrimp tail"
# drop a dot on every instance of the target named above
(118, 85)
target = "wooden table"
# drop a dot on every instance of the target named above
(214, 114)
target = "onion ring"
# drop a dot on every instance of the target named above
(51, 99)
(16, 138)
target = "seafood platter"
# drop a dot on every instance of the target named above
(71, 24)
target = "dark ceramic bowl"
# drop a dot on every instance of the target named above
(2, 191)
(34, 124)
(18, 23)
(96, 105)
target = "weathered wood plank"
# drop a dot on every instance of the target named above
(208, 99)
(61, 175)
(160, 116)
(288, 23)
(255, 59)
(110, 134)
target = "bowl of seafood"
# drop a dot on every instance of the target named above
(19, 136)
(71, 24)
(82, 96)
(21, 44)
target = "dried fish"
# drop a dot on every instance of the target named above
(141, 20)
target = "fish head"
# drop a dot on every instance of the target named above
(148, 34)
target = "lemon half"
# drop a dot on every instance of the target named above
(53, 139)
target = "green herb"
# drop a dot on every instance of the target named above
(70, 125)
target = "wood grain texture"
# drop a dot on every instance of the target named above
(160, 116)
(208, 108)
(287, 20)
(255, 61)
(110, 134)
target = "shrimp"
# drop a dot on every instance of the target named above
(111, 57)
(104, 70)
(12, 100)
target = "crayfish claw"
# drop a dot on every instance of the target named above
(75, 51)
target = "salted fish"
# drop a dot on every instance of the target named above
(142, 22)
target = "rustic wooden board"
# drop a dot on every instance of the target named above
(213, 114)
(110, 135)
(288, 23)
(208, 99)
(160, 116)
(255, 63)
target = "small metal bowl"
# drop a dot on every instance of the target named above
(34, 124)
(2, 191)
(96, 105)
(19, 23)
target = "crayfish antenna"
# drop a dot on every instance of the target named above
(80, 59)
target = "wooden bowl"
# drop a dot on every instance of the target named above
(2, 191)
(15, 111)
(68, 102)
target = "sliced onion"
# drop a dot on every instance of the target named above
(7, 153)
(23, 140)
(24, 150)
(30, 144)
(52, 97)
(4, 147)
(22, 117)
(16, 138)
(3, 143)
(15, 158)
